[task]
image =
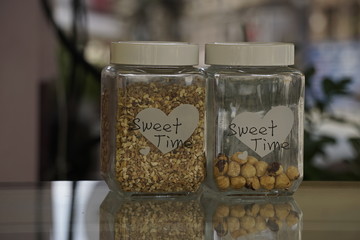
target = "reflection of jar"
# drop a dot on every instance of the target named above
(270, 218)
(255, 122)
(151, 218)
(153, 107)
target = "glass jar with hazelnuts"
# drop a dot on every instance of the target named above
(255, 119)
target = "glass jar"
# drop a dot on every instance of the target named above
(152, 119)
(255, 127)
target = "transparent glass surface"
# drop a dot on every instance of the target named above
(152, 139)
(83, 210)
(255, 132)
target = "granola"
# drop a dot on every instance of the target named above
(140, 166)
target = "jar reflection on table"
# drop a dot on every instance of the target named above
(273, 218)
(151, 218)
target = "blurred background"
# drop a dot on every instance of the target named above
(52, 53)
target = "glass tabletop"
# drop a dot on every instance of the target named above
(87, 210)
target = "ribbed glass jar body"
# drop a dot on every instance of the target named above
(152, 129)
(255, 125)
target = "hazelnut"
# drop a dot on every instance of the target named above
(223, 182)
(222, 156)
(234, 169)
(248, 170)
(238, 233)
(278, 222)
(267, 182)
(282, 181)
(221, 228)
(222, 211)
(274, 169)
(253, 183)
(267, 210)
(261, 168)
(282, 211)
(237, 211)
(221, 165)
(292, 218)
(260, 223)
(252, 160)
(252, 230)
(233, 224)
(239, 157)
(237, 182)
(292, 172)
(252, 209)
(247, 222)
(272, 224)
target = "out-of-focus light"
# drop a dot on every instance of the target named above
(318, 22)
(97, 53)
(61, 194)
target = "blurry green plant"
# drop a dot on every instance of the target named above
(73, 154)
(318, 110)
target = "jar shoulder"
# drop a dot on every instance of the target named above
(239, 70)
(155, 70)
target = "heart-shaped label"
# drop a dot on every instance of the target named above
(263, 134)
(145, 151)
(243, 155)
(167, 132)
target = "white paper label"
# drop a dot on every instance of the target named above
(263, 134)
(167, 132)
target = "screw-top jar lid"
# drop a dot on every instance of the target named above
(250, 54)
(154, 53)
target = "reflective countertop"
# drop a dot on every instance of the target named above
(87, 210)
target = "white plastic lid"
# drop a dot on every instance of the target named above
(154, 53)
(250, 54)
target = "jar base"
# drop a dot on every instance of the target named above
(249, 194)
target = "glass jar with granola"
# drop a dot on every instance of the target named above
(152, 119)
